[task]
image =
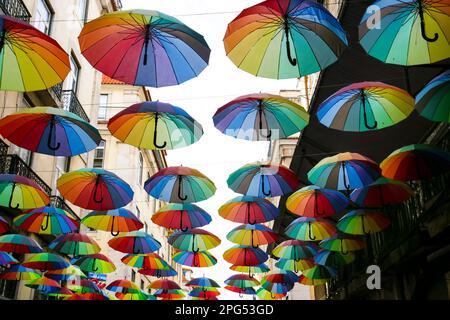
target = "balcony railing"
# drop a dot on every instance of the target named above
(71, 103)
(57, 91)
(15, 9)
(3, 148)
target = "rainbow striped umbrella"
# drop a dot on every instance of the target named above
(242, 281)
(320, 272)
(433, 100)
(342, 243)
(295, 250)
(261, 268)
(18, 272)
(164, 284)
(114, 221)
(155, 125)
(201, 259)
(241, 291)
(263, 180)
(180, 185)
(382, 192)
(415, 162)
(17, 243)
(134, 296)
(67, 274)
(263, 294)
(407, 32)
(294, 265)
(315, 202)
(18, 192)
(204, 295)
(47, 220)
(181, 216)
(145, 261)
(75, 244)
(94, 189)
(85, 286)
(144, 48)
(123, 286)
(135, 242)
(96, 263)
(45, 261)
(280, 282)
(7, 259)
(333, 258)
(260, 117)
(283, 39)
(252, 235)
(344, 171)
(310, 229)
(50, 131)
(365, 106)
(245, 256)
(249, 210)
(159, 273)
(203, 282)
(30, 60)
(4, 225)
(44, 285)
(362, 222)
(311, 282)
(193, 240)
(60, 292)
(169, 294)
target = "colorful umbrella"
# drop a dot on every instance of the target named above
(260, 117)
(7, 259)
(320, 272)
(67, 274)
(193, 240)
(415, 162)
(135, 242)
(249, 210)
(50, 130)
(310, 229)
(433, 100)
(382, 192)
(245, 256)
(17, 243)
(333, 258)
(95, 189)
(17, 272)
(18, 192)
(96, 263)
(242, 281)
(45, 261)
(365, 106)
(75, 244)
(145, 261)
(294, 265)
(159, 273)
(283, 39)
(241, 291)
(144, 48)
(263, 180)
(203, 282)
(60, 292)
(123, 286)
(44, 285)
(344, 171)
(263, 294)
(4, 225)
(206, 295)
(181, 216)
(133, 296)
(314, 202)
(311, 282)
(47, 220)
(261, 268)
(114, 221)
(342, 243)
(362, 222)
(252, 235)
(30, 60)
(169, 294)
(295, 250)
(85, 286)
(279, 283)
(407, 32)
(138, 126)
(164, 284)
(201, 259)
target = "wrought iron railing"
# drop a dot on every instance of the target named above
(57, 91)
(71, 103)
(15, 9)
(3, 148)
(59, 202)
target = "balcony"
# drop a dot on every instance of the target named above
(3, 148)
(71, 103)
(57, 91)
(15, 9)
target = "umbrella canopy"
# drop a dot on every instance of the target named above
(342, 243)
(96, 263)
(145, 261)
(201, 259)
(133, 296)
(203, 282)
(293, 265)
(95, 189)
(181, 216)
(365, 106)
(193, 240)
(261, 268)
(242, 281)
(415, 162)
(245, 256)
(362, 222)
(144, 48)
(85, 286)
(260, 117)
(249, 210)
(283, 39)
(47, 220)
(174, 294)
(263, 294)
(4, 225)
(279, 283)
(60, 292)
(67, 274)
(295, 250)
(18, 272)
(310, 229)
(408, 32)
(164, 284)
(203, 294)
(180, 185)
(45, 261)
(314, 202)
(44, 285)
(18, 192)
(75, 244)
(50, 130)
(114, 221)
(17, 243)
(7, 259)
(344, 171)
(433, 100)
(123, 286)
(30, 60)
(155, 125)
(320, 272)
(241, 291)
(135, 242)
(263, 180)
(311, 282)
(159, 273)
(333, 258)
(252, 235)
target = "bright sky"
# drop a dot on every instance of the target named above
(216, 155)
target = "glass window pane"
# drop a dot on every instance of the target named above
(103, 106)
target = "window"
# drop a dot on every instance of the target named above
(133, 276)
(142, 285)
(99, 155)
(71, 82)
(82, 10)
(24, 154)
(103, 107)
(140, 168)
(44, 16)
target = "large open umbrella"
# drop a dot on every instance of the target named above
(70, 273)
(18, 272)
(18, 192)
(362, 222)
(159, 273)
(252, 235)
(294, 265)
(30, 60)
(242, 281)
(342, 243)
(135, 242)
(75, 244)
(45, 261)
(17, 243)
(245, 256)
(261, 268)
(164, 284)
(333, 258)
(175, 294)
(114, 221)
(4, 225)
(96, 263)
(181, 216)
(194, 240)
(205, 295)
(407, 32)
(51, 131)
(203, 282)
(320, 272)
(7, 259)
(310, 229)
(155, 125)
(123, 286)
(295, 250)
(44, 285)
(145, 261)
(248, 210)
(279, 282)
(85, 286)
(284, 39)
(144, 48)
(433, 100)
(201, 259)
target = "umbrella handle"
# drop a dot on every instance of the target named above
(271, 295)
(241, 295)
(155, 134)
(292, 61)
(146, 41)
(94, 266)
(366, 122)
(114, 234)
(363, 227)
(253, 244)
(310, 234)
(316, 204)
(346, 185)
(183, 229)
(11, 197)
(260, 112)
(248, 215)
(196, 263)
(180, 196)
(422, 25)
(342, 249)
(45, 227)
(250, 274)
(263, 187)
(97, 181)
(158, 274)
(295, 267)
(193, 245)
(50, 134)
